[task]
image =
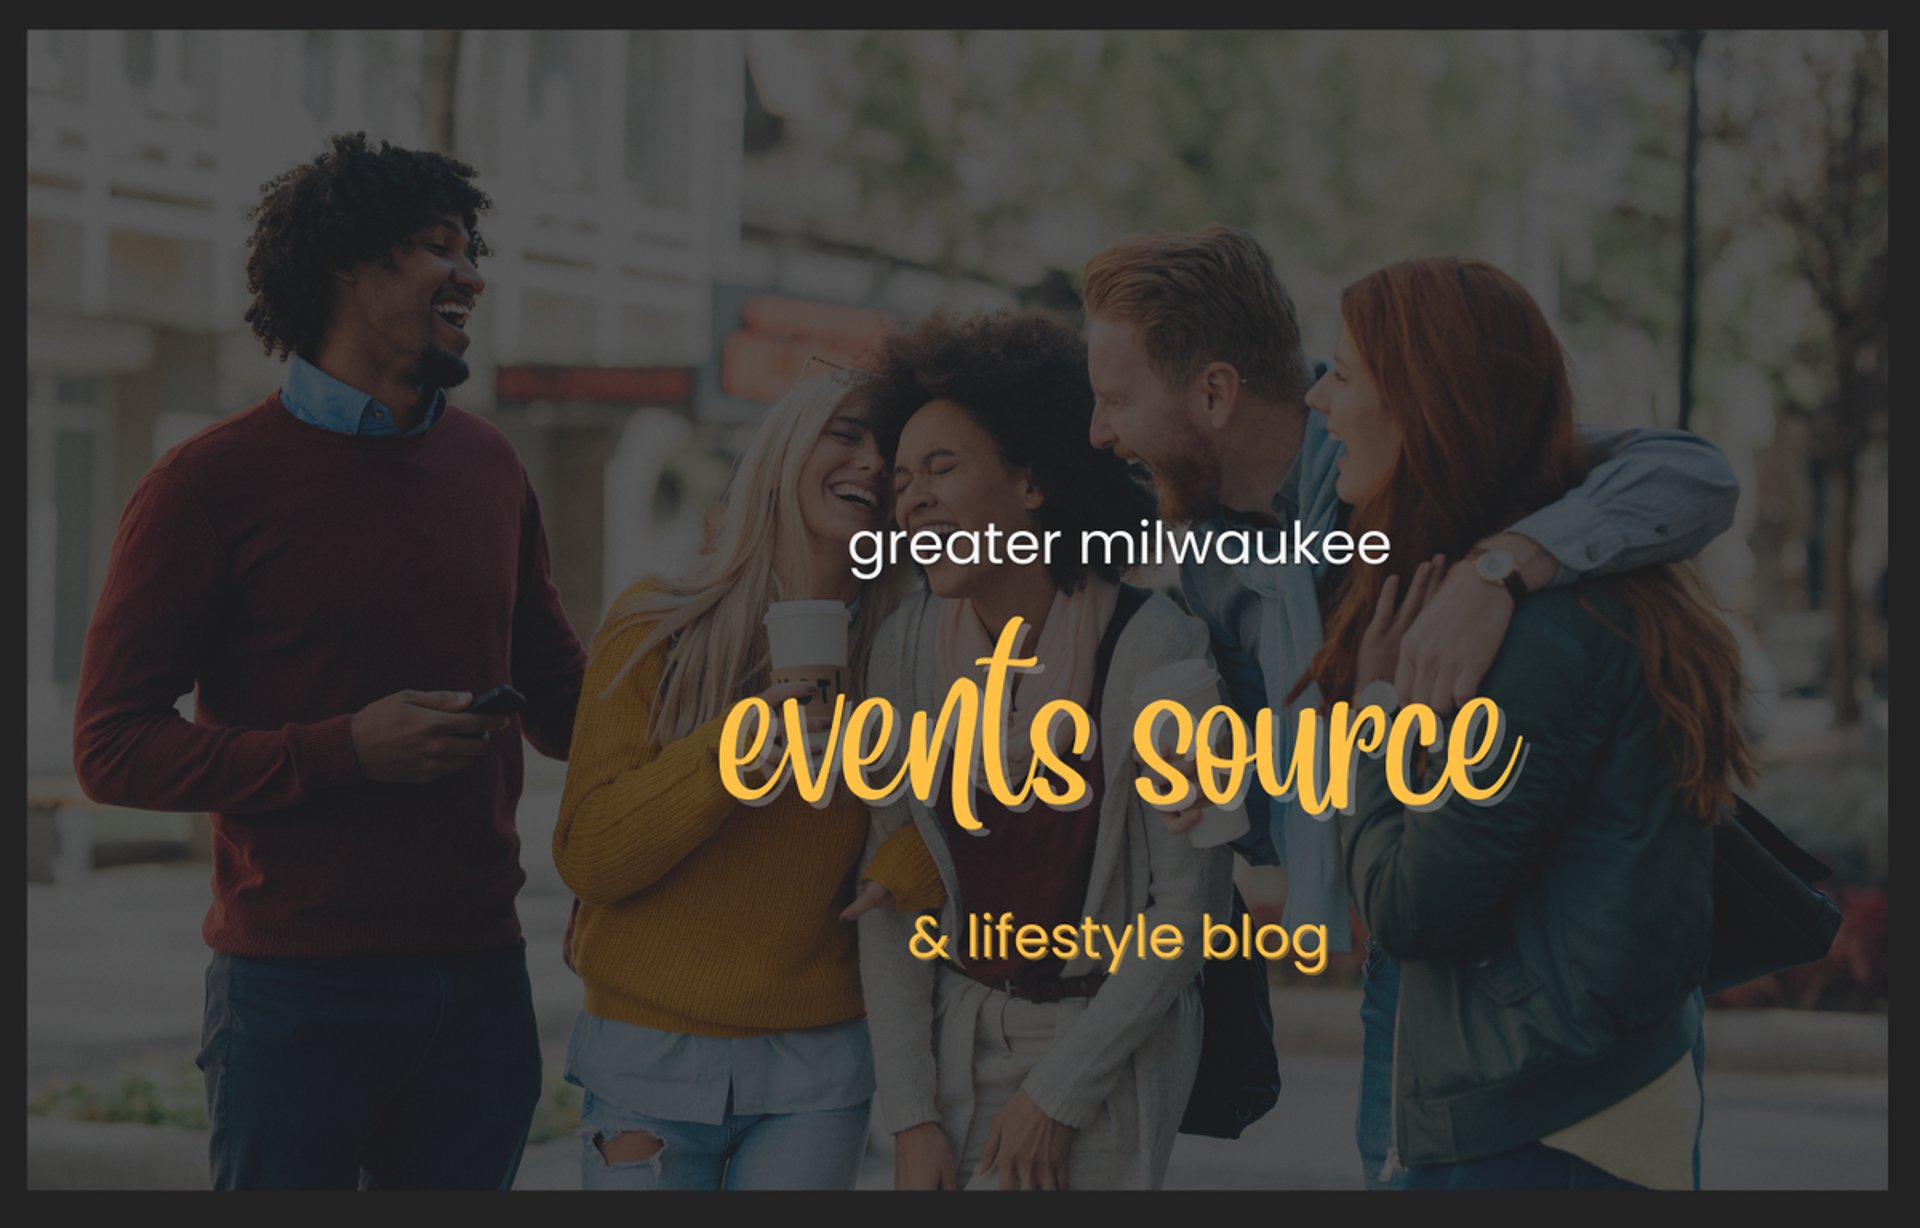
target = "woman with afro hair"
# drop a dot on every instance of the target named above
(1050, 1073)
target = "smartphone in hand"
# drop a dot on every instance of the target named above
(502, 700)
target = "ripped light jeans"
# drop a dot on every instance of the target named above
(784, 1111)
(818, 1150)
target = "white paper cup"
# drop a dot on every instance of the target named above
(807, 642)
(807, 633)
(1195, 686)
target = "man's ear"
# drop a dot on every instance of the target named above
(1034, 496)
(1219, 387)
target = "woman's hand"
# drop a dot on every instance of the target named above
(868, 896)
(1380, 643)
(780, 692)
(923, 1159)
(1030, 1148)
(1180, 822)
(775, 747)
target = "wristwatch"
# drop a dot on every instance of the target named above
(1497, 567)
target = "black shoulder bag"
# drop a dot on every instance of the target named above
(1767, 915)
(1239, 1075)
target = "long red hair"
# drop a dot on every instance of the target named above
(1472, 374)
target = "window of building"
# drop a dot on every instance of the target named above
(68, 449)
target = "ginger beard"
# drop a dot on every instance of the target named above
(1186, 478)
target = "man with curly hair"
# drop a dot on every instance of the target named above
(335, 572)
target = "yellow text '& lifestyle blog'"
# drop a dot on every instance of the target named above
(1002, 937)
(865, 738)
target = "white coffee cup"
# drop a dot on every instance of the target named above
(807, 642)
(1195, 686)
(807, 633)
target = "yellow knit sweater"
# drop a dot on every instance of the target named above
(698, 913)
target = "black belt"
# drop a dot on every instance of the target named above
(1036, 988)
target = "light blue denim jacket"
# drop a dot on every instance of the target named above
(1650, 496)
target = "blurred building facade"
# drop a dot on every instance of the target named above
(613, 161)
(673, 240)
(632, 172)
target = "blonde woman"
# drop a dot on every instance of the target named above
(723, 1044)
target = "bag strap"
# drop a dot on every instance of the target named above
(1798, 862)
(1132, 597)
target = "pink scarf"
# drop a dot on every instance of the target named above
(1069, 642)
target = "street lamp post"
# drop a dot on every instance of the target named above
(1690, 41)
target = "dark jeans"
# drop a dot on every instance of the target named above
(1522, 1168)
(1533, 1167)
(378, 1072)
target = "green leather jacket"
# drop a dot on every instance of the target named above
(1550, 943)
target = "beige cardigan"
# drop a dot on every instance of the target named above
(1146, 1014)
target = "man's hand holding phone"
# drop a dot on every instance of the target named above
(412, 737)
(502, 700)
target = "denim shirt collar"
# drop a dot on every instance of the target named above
(319, 399)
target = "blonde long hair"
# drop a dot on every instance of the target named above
(710, 616)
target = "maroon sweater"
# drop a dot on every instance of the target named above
(290, 576)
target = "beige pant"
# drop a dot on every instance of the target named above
(1009, 1036)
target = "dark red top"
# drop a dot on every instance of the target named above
(1035, 863)
(289, 576)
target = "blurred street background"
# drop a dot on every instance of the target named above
(682, 218)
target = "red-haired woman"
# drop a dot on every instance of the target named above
(1550, 943)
